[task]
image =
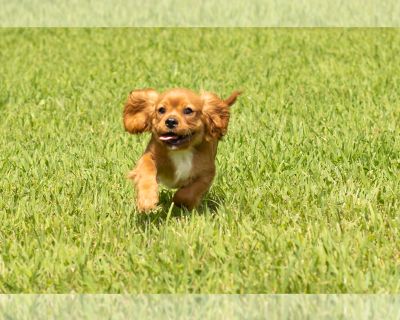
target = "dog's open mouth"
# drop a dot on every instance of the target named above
(174, 139)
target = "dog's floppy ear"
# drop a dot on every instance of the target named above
(216, 113)
(139, 109)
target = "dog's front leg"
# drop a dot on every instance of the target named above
(191, 195)
(145, 180)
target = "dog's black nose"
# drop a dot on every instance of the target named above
(171, 123)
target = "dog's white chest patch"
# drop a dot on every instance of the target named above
(182, 161)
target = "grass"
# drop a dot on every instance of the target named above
(307, 194)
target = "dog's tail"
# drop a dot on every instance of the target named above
(232, 98)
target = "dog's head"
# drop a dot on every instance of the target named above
(178, 118)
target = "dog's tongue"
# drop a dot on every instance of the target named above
(167, 138)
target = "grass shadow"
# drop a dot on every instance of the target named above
(167, 210)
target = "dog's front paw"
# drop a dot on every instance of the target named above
(146, 205)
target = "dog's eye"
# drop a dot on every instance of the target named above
(187, 110)
(161, 110)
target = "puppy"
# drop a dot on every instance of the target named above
(185, 129)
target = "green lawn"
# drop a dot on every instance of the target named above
(307, 193)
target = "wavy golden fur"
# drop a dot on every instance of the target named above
(185, 129)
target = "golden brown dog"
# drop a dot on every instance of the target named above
(186, 128)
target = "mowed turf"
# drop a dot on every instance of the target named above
(307, 193)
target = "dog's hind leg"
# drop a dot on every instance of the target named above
(191, 195)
